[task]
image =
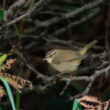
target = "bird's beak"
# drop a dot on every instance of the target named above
(44, 59)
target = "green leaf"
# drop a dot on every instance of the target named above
(63, 6)
(78, 86)
(1, 54)
(1, 14)
(76, 105)
(1, 108)
(31, 5)
(9, 92)
(68, 7)
(3, 59)
(86, 27)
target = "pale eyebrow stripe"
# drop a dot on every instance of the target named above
(53, 53)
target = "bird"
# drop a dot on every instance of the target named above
(67, 61)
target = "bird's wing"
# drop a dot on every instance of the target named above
(71, 55)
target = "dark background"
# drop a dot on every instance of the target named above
(38, 33)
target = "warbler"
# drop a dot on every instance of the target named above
(66, 61)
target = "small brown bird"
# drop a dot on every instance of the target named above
(66, 61)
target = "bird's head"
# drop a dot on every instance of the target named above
(50, 56)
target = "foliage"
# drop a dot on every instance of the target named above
(76, 105)
(90, 103)
(1, 14)
(9, 92)
(30, 28)
(17, 82)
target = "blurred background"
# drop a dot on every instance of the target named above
(54, 24)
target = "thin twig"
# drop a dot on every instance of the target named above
(39, 75)
(28, 13)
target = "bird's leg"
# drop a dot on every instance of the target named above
(71, 75)
(62, 73)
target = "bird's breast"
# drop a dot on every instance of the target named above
(67, 66)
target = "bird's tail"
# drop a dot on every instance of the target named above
(88, 46)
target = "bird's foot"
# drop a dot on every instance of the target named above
(71, 76)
